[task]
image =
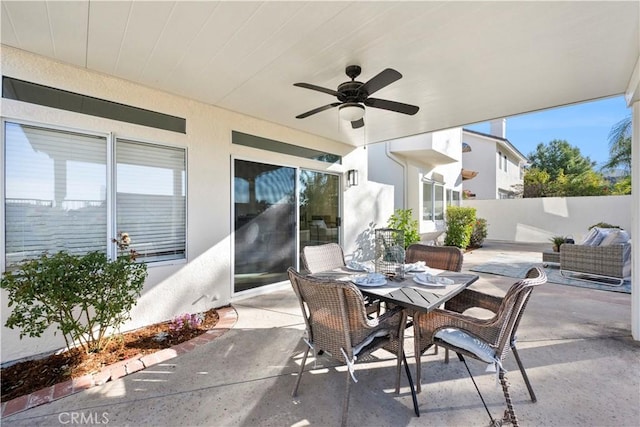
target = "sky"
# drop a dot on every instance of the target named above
(586, 126)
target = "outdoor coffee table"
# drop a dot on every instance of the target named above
(551, 258)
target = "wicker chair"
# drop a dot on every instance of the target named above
(483, 339)
(329, 257)
(322, 257)
(440, 257)
(337, 324)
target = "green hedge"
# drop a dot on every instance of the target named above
(460, 221)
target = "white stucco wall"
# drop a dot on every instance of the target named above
(537, 220)
(396, 163)
(484, 158)
(204, 280)
(481, 159)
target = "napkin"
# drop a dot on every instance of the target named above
(430, 278)
(359, 266)
(420, 265)
(370, 278)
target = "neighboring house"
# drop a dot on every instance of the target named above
(498, 164)
(425, 171)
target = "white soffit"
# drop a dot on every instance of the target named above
(463, 62)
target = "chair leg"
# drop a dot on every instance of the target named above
(418, 373)
(510, 415)
(524, 373)
(398, 372)
(493, 422)
(345, 403)
(304, 361)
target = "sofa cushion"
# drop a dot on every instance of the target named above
(593, 238)
(626, 268)
(597, 235)
(615, 237)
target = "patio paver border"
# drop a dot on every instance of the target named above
(227, 318)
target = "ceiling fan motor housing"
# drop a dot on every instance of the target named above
(348, 92)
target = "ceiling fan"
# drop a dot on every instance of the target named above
(353, 94)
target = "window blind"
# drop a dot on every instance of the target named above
(150, 199)
(55, 194)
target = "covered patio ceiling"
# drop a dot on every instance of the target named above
(462, 62)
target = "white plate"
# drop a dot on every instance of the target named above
(437, 285)
(370, 284)
(368, 280)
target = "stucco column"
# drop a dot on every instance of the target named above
(635, 224)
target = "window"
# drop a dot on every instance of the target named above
(504, 194)
(500, 160)
(150, 199)
(432, 201)
(505, 163)
(453, 198)
(55, 197)
(58, 194)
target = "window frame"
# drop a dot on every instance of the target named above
(111, 179)
(433, 185)
(114, 189)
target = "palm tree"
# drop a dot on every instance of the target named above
(620, 146)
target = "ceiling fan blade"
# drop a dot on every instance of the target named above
(357, 124)
(384, 78)
(318, 88)
(398, 107)
(317, 110)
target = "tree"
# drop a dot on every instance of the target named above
(535, 183)
(558, 155)
(559, 170)
(620, 146)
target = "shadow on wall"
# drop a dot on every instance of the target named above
(365, 244)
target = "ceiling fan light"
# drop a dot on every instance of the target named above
(351, 111)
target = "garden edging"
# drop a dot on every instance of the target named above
(227, 318)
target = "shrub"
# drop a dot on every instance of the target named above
(402, 219)
(479, 233)
(460, 222)
(84, 296)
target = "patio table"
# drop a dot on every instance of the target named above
(407, 293)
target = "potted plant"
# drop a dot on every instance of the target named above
(557, 241)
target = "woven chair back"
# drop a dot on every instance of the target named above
(334, 313)
(513, 306)
(322, 257)
(440, 257)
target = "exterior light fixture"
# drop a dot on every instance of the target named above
(351, 111)
(352, 177)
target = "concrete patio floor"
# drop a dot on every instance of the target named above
(575, 342)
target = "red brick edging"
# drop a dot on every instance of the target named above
(228, 317)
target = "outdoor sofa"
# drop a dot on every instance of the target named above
(604, 256)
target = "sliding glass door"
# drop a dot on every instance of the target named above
(264, 216)
(319, 208)
(265, 219)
